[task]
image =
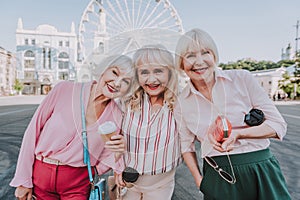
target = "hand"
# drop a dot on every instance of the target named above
(119, 180)
(211, 137)
(116, 145)
(198, 182)
(23, 193)
(228, 143)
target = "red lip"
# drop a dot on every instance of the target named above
(153, 87)
(111, 88)
(200, 71)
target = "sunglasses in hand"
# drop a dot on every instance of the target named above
(225, 175)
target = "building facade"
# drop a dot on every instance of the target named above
(87, 61)
(7, 72)
(287, 53)
(45, 56)
(269, 80)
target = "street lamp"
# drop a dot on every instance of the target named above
(296, 39)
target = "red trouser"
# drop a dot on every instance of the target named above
(52, 182)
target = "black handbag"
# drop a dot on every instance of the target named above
(130, 175)
(255, 117)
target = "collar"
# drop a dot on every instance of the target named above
(147, 100)
(219, 74)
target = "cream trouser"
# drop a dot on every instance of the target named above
(152, 187)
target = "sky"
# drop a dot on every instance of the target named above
(256, 29)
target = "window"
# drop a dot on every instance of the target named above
(29, 59)
(49, 59)
(67, 43)
(28, 64)
(60, 43)
(63, 76)
(63, 61)
(26, 41)
(44, 58)
(63, 55)
(101, 47)
(33, 41)
(63, 64)
(29, 54)
(29, 75)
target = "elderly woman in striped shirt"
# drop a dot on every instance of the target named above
(149, 125)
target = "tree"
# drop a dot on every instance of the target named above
(18, 86)
(286, 85)
(286, 63)
(296, 79)
(251, 65)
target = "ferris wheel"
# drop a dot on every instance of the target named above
(121, 26)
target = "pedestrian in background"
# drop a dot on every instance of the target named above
(50, 163)
(240, 166)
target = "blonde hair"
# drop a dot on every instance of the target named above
(194, 40)
(154, 54)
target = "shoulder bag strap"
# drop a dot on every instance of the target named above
(86, 155)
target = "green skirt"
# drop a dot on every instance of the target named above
(258, 177)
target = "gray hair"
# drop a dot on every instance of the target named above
(194, 40)
(123, 62)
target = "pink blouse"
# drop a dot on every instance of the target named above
(55, 132)
(234, 94)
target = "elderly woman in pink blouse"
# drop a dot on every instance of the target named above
(149, 125)
(50, 164)
(239, 166)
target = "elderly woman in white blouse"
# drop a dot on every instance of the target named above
(239, 165)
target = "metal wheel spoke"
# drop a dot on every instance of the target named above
(126, 25)
(151, 14)
(124, 19)
(144, 13)
(128, 15)
(138, 14)
(156, 18)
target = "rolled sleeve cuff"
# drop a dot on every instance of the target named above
(117, 166)
(187, 147)
(280, 129)
(24, 182)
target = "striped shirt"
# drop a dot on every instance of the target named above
(152, 139)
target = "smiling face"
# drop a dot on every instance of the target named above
(153, 78)
(199, 65)
(114, 82)
(197, 55)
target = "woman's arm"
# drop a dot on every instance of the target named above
(274, 125)
(255, 132)
(190, 159)
(26, 155)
